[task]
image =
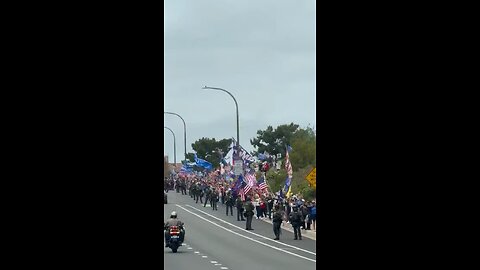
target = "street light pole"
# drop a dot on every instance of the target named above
(174, 147)
(236, 104)
(184, 132)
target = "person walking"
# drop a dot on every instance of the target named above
(223, 196)
(214, 200)
(270, 208)
(239, 205)
(229, 202)
(277, 222)
(249, 214)
(296, 220)
(207, 196)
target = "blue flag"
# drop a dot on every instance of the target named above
(203, 163)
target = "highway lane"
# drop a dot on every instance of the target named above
(222, 243)
(259, 226)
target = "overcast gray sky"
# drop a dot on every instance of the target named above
(262, 51)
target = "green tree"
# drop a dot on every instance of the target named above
(274, 140)
(304, 145)
(211, 150)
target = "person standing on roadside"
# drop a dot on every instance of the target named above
(296, 220)
(207, 196)
(313, 215)
(214, 200)
(230, 201)
(304, 212)
(277, 222)
(249, 214)
(222, 195)
(239, 205)
(270, 206)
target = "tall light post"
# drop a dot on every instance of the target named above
(236, 104)
(174, 147)
(184, 132)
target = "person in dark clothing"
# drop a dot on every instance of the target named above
(194, 191)
(239, 205)
(214, 200)
(230, 201)
(183, 187)
(269, 206)
(173, 221)
(202, 193)
(295, 218)
(304, 212)
(212, 194)
(207, 195)
(277, 222)
(309, 216)
(177, 185)
(249, 213)
(224, 194)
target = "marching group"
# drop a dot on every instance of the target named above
(260, 204)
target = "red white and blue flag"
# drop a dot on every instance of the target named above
(261, 183)
(249, 183)
(250, 179)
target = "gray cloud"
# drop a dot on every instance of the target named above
(263, 52)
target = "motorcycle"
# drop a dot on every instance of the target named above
(174, 241)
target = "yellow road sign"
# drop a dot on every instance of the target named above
(312, 177)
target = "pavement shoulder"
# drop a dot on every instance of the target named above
(311, 234)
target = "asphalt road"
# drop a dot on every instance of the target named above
(216, 241)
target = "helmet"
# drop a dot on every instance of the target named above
(173, 214)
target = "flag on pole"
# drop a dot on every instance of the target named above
(261, 183)
(288, 165)
(251, 180)
(242, 195)
(246, 187)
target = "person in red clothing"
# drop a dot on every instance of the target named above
(263, 208)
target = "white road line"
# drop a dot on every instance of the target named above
(204, 256)
(223, 267)
(261, 236)
(189, 248)
(249, 238)
(218, 264)
(213, 261)
(196, 252)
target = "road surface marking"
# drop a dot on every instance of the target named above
(213, 261)
(249, 238)
(204, 256)
(223, 267)
(189, 248)
(196, 252)
(261, 236)
(218, 264)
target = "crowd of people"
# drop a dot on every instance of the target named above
(258, 203)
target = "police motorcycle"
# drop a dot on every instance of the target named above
(175, 234)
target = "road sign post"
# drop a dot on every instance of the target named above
(312, 177)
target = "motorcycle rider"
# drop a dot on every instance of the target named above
(173, 221)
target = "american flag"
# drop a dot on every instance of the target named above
(261, 183)
(242, 195)
(250, 182)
